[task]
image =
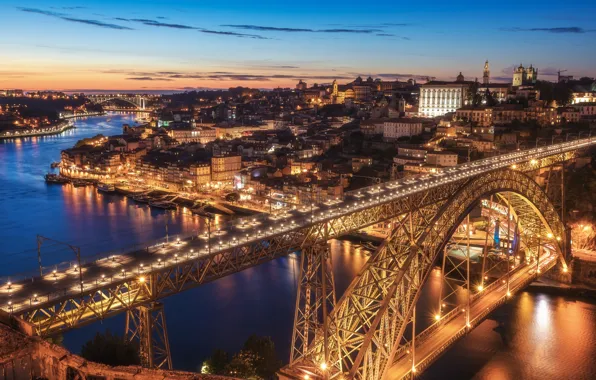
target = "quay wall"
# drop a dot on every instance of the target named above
(23, 356)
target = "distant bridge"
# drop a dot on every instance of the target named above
(364, 334)
(135, 100)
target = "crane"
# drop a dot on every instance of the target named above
(559, 75)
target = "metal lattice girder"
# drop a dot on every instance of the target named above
(314, 301)
(146, 325)
(64, 309)
(371, 316)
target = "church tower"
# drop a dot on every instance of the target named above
(486, 74)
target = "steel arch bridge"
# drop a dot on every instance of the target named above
(138, 101)
(360, 336)
(364, 330)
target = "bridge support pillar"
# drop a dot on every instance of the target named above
(455, 273)
(146, 324)
(314, 301)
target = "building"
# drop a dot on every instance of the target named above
(438, 98)
(201, 135)
(200, 174)
(301, 86)
(360, 162)
(586, 110)
(362, 93)
(372, 127)
(441, 158)
(584, 93)
(223, 168)
(481, 115)
(568, 114)
(393, 129)
(524, 76)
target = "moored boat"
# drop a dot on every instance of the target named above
(55, 178)
(79, 183)
(106, 187)
(163, 205)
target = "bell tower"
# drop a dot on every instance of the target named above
(486, 74)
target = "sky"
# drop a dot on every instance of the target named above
(183, 45)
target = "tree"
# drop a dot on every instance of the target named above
(217, 363)
(264, 356)
(242, 366)
(111, 350)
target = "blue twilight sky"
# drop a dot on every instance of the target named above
(218, 44)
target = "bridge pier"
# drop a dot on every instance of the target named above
(146, 324)
(314, 301)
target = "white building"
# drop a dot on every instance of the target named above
(396, 128)
(438, 98)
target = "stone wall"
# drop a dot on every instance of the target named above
(30, 357)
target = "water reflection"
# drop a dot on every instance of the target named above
(547, 337)
(534, 336)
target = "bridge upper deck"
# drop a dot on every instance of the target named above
(243, 243)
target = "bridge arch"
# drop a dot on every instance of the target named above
(105, 100)
(366, 326)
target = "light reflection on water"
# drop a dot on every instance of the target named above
(541, 336)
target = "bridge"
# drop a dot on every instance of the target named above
(370, 332)
(136, 100)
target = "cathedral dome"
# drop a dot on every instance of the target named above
(460, 77)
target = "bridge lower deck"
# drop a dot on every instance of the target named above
(427, 350)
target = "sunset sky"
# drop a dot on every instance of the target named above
(175, 45)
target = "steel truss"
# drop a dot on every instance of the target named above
(146, 325)
(395, 274)
(368, 323)
(64, 309)
(314, 301)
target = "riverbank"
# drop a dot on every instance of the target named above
(545, 285)
(47, 131)
(76, 116)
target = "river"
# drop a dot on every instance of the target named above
(541, 336)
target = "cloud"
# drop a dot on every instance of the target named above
(300, 30)
(558, 30)
(149, 78)
(503, 78)
(219, 76)
(392, 35)
(226, 33)
(66, 17)
(162, 24)
(399, 76)
(69, 8)
(96, 23)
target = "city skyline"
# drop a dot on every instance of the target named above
(170, 46)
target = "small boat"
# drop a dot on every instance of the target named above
(55, 178)
(79, 183)
(163, 205)
(141, 198)
(106, 187)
